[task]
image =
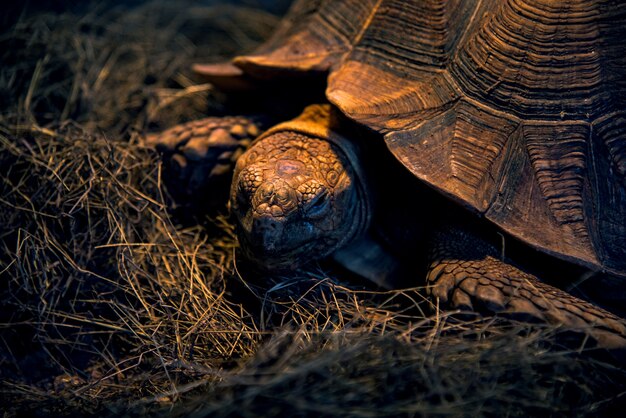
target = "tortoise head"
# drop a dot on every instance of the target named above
(297, 198)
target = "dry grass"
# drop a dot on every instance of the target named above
(109, 306)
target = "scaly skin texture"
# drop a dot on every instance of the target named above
(468, 274)
(199, 156)
(296, 198)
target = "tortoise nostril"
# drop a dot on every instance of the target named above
(275, 198)
(266, 190)
(282, 194)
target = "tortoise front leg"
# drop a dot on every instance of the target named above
(199, 157)
(468, 274)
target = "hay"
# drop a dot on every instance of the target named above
(110, 306)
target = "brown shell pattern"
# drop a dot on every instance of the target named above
(514, 108)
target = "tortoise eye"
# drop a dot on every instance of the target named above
(318, 206)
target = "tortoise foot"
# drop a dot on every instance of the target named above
(465, 274)
(199, 156)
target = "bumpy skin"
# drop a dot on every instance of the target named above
(468, 274)
(296, 198)
(200, 155)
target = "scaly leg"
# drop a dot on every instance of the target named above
(199, 156)
(466, 273)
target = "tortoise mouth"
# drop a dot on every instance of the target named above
(281, 259)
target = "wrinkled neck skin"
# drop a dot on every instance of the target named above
(298, 197)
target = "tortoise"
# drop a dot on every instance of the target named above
(513, 111)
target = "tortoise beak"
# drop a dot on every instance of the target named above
(266, 233)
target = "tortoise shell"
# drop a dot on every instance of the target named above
(515, 109)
